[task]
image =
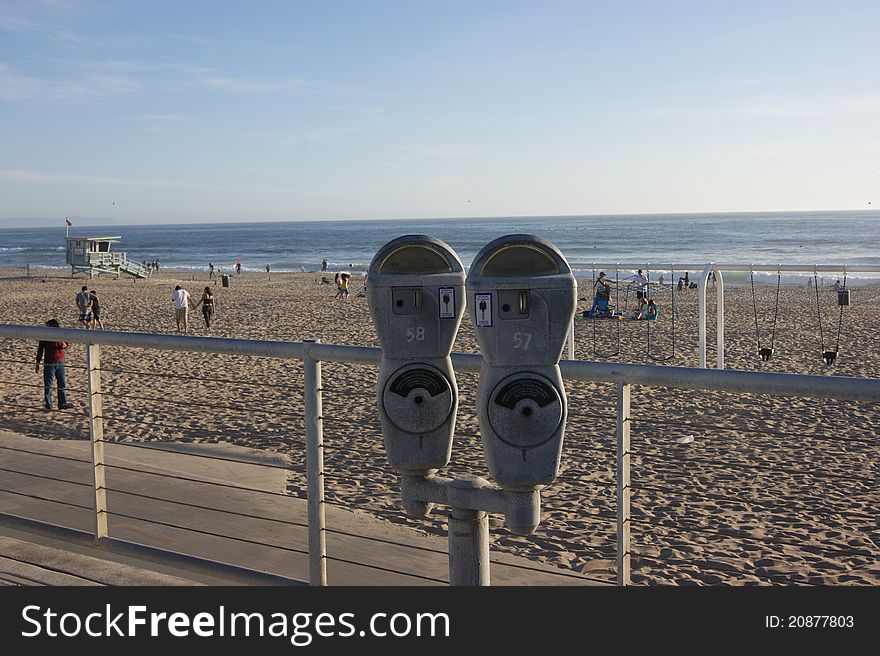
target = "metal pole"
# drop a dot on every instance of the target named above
(468, 547)
(719, 317)
(96, 435)
(623, 485)
(314, 422)
(702, 306)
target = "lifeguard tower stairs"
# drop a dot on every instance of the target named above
(92, 255)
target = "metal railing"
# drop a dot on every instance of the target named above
(313, 353)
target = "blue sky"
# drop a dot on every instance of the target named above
(198, 110)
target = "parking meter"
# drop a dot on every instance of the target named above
(415, 290)
(522, 297)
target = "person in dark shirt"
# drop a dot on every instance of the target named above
(97, 322)
(52, 355)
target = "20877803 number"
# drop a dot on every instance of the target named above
(809, 621)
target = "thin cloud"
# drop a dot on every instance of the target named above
(768, 108)
(239, 85)
(435, 151)
(15, 87)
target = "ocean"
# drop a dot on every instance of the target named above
(797, 238)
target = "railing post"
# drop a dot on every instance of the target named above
(314, 422)
(623, 484)
(96, 435)
(719, 317)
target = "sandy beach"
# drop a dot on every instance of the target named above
(771, 490)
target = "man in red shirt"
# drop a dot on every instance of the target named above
(52, 354)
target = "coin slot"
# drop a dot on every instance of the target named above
(523, 302)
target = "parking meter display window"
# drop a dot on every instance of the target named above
(520, 260)
(525, 410)
(414, 260)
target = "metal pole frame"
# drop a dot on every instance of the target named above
(96, 436)
(314, 424)
(624, 484)
(719, 315)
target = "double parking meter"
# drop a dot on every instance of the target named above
(522, 297)
(415, 290)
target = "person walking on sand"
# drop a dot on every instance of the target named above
(52, 355)
(343, 286)
(181, 308)
(210, 270)
(324, 264)
(238, 266)
(96, 311)
(209, 305)
(82, 302)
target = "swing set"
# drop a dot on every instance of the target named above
(597, 313)
(828, 355)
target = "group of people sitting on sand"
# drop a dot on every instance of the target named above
(601, 308)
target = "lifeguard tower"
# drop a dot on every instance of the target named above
(92, 255)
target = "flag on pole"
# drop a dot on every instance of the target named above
(67, 222)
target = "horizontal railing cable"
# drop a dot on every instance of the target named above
(197, 480)
(761, 467)
(206, 456)
(771, 505)
(782, 578)
(718, 532)
(386, 541)
(39, 498)
(570, 575)
(201, 379)
(40, 385)
(45, 478)
(386, 569)
(188, 430)
(211, 508)
(769, 540)
(45, 455)
(33, 361)
(202, 532)
(206, 404)
(707, 427)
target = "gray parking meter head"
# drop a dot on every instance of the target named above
(522, 297)
(415, 291)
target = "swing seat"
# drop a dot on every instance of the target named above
(829, 357)
(765, 353)
(843, 297)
